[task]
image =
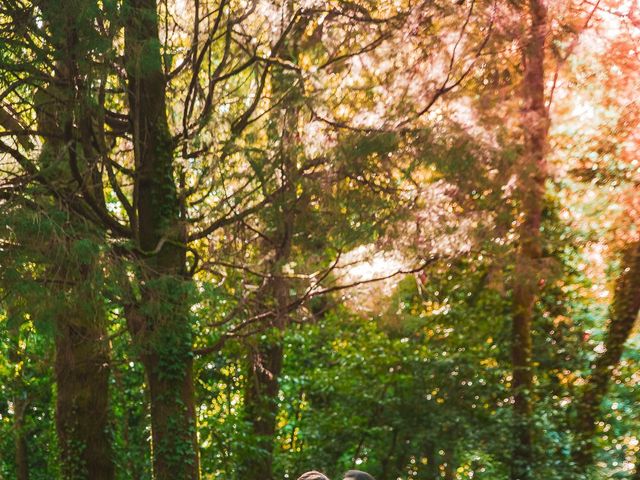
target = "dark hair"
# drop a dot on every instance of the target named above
(313, 475)
(358, 475)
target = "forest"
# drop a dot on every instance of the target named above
(247, 239)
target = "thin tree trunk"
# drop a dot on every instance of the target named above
(623, 312)
(533, 174)
(161, 323)
(22, 452)
(20, 401)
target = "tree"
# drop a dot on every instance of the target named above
(159, 321)
(82, 354)
(623, 314)
(532, 176)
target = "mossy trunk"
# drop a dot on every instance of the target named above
(161, 324)
(172, 416)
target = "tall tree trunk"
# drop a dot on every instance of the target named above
(623, 312)
(266, 355)
(161, 323)
(81, 338)
(82, 377)
(533, 174)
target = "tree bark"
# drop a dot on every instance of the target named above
(161, 324)
(22, 451)
(82, 378)
(623, 312)
(532, 177)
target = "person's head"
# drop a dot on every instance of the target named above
(357, 475)
(313, 475)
